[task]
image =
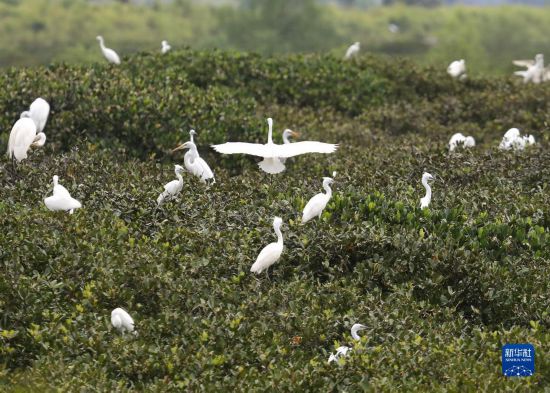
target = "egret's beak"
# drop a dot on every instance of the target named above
(295, 134)
(180, 147)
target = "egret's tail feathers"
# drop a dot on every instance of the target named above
(256, 268)
(161, 198)
(272, 165)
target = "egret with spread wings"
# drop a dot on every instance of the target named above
(271, 152)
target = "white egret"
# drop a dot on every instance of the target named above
(23, 136)
(457, 69)
(535, 71)
(344, 350)
(352, 51)
(165, 47)
(460, 140)
(110, 55)
(122, 321)
(287, 134)
(272, 152)
(513, 140)
(316, 205)
(61, 200)
(173, 188)
(38, 112)
(393, 28)
(270, 253)
(194, 163)
(425, 201)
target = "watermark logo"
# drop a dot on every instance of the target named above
(518, 360)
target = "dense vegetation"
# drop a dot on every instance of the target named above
(441, 290)
(39, 31)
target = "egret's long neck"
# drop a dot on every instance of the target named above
(428, 188)
(55, 181)
(355, 335)
(40, 139)
(270, 133)
(285, 138)
(191, 137)
(180, 178)
(327, 188)
(279, 234)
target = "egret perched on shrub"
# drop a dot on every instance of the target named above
(193, 162)
(287, 134)
(272, 152)
(38, 112)
(110, 55)
(457, 69)
(165, 47)
(317, 203)
(425, 201)
(23, 136)
(513, 140)
(122, 321)
(535, 71)
(460, 140)
(343, 350)
(272, 252)
(352, 51)
(61, 200)
(173, 188)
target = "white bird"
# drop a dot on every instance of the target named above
(513, 140)
(535, 71)
(122, 321)
(270, 253)
(110, 55)
(23, 136)
(425, 201)
(343, 350)
(173, 188)
(272, 152)
(38, 112)
(460, 140)
(316, 205)
(393, 28)
(352, 51)
(457, 69)
(61, 199)
(287, 134)
(165, 47)
(194, 163)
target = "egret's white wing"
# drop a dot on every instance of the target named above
(60, 190)
(297, 148)
(204, 170)
(172, 187)
(40, 109)
(315, 206)
(524, 63)
(253, 149)
(267, 257)
(24, 132)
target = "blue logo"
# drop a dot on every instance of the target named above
(518, 360)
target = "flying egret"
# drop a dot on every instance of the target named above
(317, 203)
(23, 136)
(513, 140)
(535, 71)
(287, 134)
(165, 47)
(270, 253)
(457, 69)
(425, 201)
(352, 51)
(460, 140)
(173, 188)
(61, 200)
(272, 152)
(344, 350)
(122, 321)
(194, 163)
(38, 112)
(110, 55)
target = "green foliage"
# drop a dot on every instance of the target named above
(40, 31)
(440, 290)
